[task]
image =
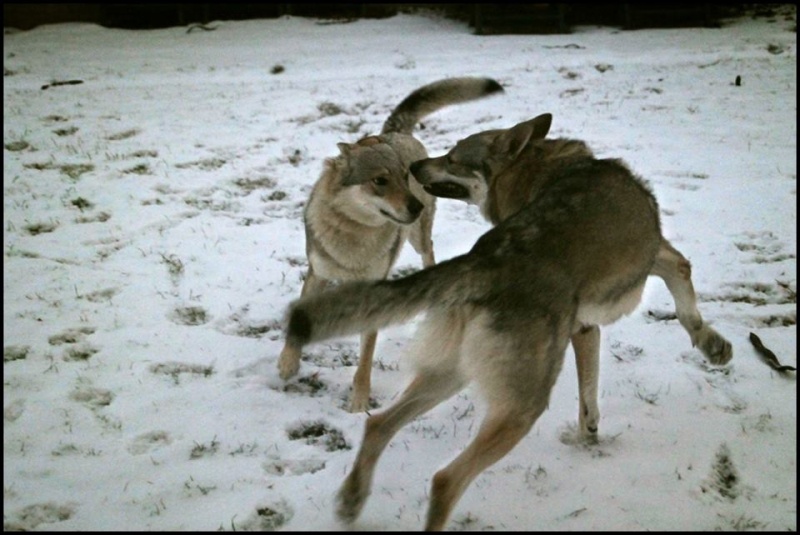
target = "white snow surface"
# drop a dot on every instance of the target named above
(153, 238)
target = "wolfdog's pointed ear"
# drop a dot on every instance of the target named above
(512, 141)
(345, 148)
(541, 125)
(369, 141)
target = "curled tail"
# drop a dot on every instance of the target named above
(362, 306)
(435, 96)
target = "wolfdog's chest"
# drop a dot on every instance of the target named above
(348, 253)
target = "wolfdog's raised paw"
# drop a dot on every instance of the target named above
(716, 348)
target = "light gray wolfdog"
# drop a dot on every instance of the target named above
(364, 207)
(575, 240)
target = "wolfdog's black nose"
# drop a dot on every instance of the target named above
(414, 206)
(414, 168)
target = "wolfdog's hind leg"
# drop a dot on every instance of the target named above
(516, 372)
(427, 390)
(499, 433)
(676, 271)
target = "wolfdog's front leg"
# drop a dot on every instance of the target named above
(362, 380)
(586, 344)
(289, 361)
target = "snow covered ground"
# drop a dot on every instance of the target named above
(153, 237)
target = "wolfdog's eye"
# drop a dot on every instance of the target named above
(380, 180)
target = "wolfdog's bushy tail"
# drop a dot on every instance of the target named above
(435, 96)
(362, 306)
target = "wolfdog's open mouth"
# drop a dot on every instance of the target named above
(399, 221)
(448, 190)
